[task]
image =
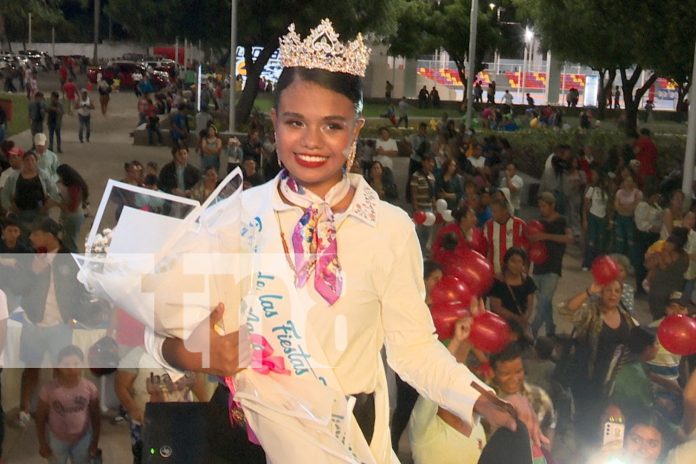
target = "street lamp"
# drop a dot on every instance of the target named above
(528, 38)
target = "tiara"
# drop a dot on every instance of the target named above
(322, 49)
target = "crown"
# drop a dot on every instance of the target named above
(322, 49)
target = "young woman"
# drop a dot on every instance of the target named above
(512, 295)
(666, 271)
(673, 214)
(625, 203)
(449, 184)
(211, 147)
(204, 187)
(381, 180)
(332, 315)
(464, 230)
(74, 195)
(594, 217)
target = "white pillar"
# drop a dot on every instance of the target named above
(471, 72)
(690, 154)
(53, 41)
(29, 29)
(176, 53)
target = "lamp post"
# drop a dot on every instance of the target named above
(471, 72)
(690, 154)
(231, 123)
(528, 40)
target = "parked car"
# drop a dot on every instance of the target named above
(129, 73)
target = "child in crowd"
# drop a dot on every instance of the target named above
(149, 202)
(151, 168)
(664, 370)
(68, 415)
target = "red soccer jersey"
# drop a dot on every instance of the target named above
(501, 237)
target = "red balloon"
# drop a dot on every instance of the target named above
(445, 315)
(677, 334)
(535, 227)
(473, 269)
(419, 217)
(450, 289)
(538, 253)
(439, 219)
(605, 270)
(489, 333)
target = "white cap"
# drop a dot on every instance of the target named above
(40, 139)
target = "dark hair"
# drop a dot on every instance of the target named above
(679, 237)
(450, 241)
(645, 131)
(544, 347)
(70, 350)
(347, 85)
(150, 179)
(511, 352)
(429, 267)
(71, 178)
(651, 418)
(29, 153)
(445, 166)
(178, 147)
(6, 145)
(639, 339)
(515, 251)
(210, 168)
(152, 165)
(10, 221)
(460, 212)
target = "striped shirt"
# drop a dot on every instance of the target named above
(500, 237)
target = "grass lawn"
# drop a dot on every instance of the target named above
(20, 117)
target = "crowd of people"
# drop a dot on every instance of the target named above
(609, 373)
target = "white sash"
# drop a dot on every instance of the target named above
(305, 415)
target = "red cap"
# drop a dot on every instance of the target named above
(15, 151)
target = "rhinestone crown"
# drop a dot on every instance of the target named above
(322, 49)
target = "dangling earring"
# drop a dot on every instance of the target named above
(351, 156)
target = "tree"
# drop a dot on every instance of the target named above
(14, 17)
(611, 36)
(260, 22)
(423, 27)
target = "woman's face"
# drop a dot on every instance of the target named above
(628, 183)
(644, 444)
(384, 134)
(689, 220)
(611, 294)
(312, 138)
(30, 163)
(469, 219)
(211, 132)
(677, 200)
(451, 168)
(376, 170)
(211, 176)
(431, 280)
(516, 265)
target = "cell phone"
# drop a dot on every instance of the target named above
(613, 435)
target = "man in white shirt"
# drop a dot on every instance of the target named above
(513, 182)
(47, 160)
(507, 98)
(386, 149)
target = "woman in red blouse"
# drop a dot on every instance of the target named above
(464, 229)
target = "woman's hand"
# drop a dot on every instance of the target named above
(205, 350)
